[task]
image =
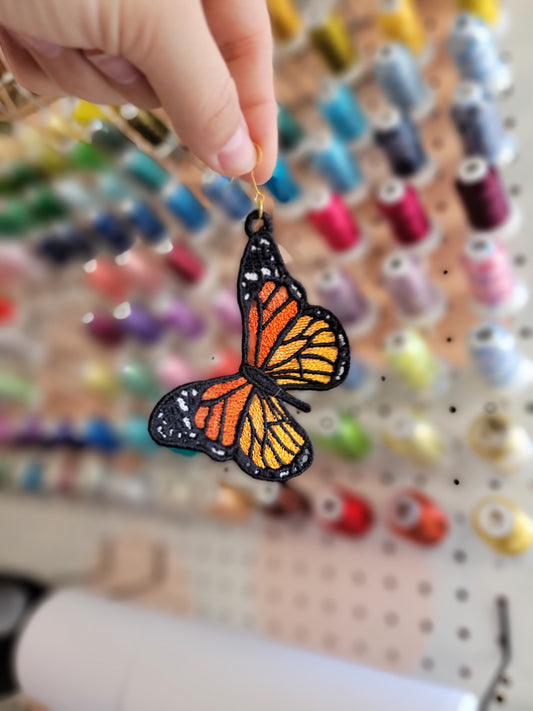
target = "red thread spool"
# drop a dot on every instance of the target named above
(417, 517)
(482, 193)
(8, 310)
(281, 500)
(226, 362)
(342, 511)
(400, 205)
(186, 264)
(329, 214)
(106, 277)
(105, 328)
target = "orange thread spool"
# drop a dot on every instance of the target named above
(416, 517)
(281, 500)
(342, 511)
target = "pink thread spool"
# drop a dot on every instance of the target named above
(226, 308)
(104, 328)
(330, 216)
(494, 288)
(400, 205)
(174, 371)
(186, 264)
(340, 294)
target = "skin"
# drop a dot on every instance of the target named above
(208, 63)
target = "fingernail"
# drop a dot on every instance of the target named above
(239, 155)
(116, 68)
(43, 47)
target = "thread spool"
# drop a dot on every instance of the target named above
(418, 301)
(138, 322)
(485, 201)
(281, 500)
(400, 142)
(148, 125)
(16, 219)
(340, 108)
(228, 196)
(106, 136)
(409, 355)
(183, 204)
(291, 133)
(104, 328)
(479, 125)
(400, 21)
(85, 113)
(330, 37)
(226, 308)
(173, 371)
(74, 194)
(54, 249)
(225, 362)
(144, 170)
(99, 379)
(495, 356)
(330, 216)
(186, 264)
(143, 217)
(489, 11)
(415, 516)
(339, 293)
(87, 157)
(46, 205)
(493, 285)
(342, 511)
(359, 376)
(503, 525)
(413, 438)
(334, 162)
(400, 205)
(475, 52)
(400, 80)
(113, 231)
(230, 503)
(100, 434)
(181, 316)
(32, 477)
(341, 434)
(134, 435)
(496, 439)
(106, 277)
(283, 186)
(138, 378)
(286, 20)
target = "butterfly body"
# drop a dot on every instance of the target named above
(287, 345)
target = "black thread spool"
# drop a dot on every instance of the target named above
(399, 140)
(147, 125)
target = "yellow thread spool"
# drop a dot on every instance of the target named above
(332, 39)
(400, 22)
(496, 439)
(231, 503)
(85, 113)
(487, 10)
(286, 21)
(503, 525)
(409, 356)
(101, 380)
(413, 439)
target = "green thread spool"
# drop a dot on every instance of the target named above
(15, 388)
(342, 434)
(138, 378)
(46, 205)
(409, 356)
(16, 218)
(291, 134)
(87, 157)
(145, 170)
(18, 176)
(109, 138)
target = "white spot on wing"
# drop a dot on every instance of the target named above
(218, 452)
(194, 392)
(265, 271)
(187, 423)
(251, 276)
(182, 405)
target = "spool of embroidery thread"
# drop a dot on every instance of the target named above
(138, 378)
(400, 21)
(185, 206)
(503, 525)
(331, 38)
(400, 205)
(414, 439)
(150, 127)
(330, 216)
(359, 376)
(107, 278)
(417, 300)
(490, 11)
(281, 500)
(98, 378)
(226, 308)
(113, 232)
(286, 21)
(144, 169)
(493, 285)
(182, 317)
(400, 142)
(496, 439)
(283, 186)
(415, 516)
(138, 322)
(228, 196)
(400, 80)
(146, 221)
(104, 328)
(340, 108)
(334, 162)
(339, 293)
(109, 138)
(485, 201)
(410, 357)
(342, 511)
(495, 356)
(230, 503)
(475, 52)
(186, 264)
(341, 434)
(100, 434)
(291, 133)
(479, 125)
(173, 371)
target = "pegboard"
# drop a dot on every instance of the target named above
(377, 600)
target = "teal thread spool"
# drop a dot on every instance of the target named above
(145, 170)
(135, 435)
(184, 452)
(341, 434)
(291, 134)
(138, 379)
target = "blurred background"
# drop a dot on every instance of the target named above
(400, 201)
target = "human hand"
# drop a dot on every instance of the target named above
(207, 62)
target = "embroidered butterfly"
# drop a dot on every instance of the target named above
(287, 345)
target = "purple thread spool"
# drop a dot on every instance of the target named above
(138, 322)
(31, 433)
(417, 300)
(226, 309)
(104, 328)
(341, 295)
(182, 317)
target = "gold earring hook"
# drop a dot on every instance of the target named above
(259, 197)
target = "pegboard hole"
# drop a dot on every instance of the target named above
(427, 664)
(392, 656)
(425, 588)
(329, 606)
(525, 332)
(359, 612)
(391, 619)
(426, 626)
(463, 633)
(464, 672)
(462, 594)
(510, 123)
(359, 577)
(360, 647)
(459, 556)
(386, 478)
(390, 582)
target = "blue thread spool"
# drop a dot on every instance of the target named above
(66, 435)
(80, 240)
(401, 81)
(342, 111)
(114, 232)
(101, 435)
(226, 195)
(145, 170)
(479, 125)
(494, 354)
(106, 136)
(475, 52)
(54, 249)
(74, 194)
(282, 185)
(358, 374)
(135, 435)
(184, 205)
(32, 477)
(399, 140)
(113, 188)
(150, 227)
(335, 163)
